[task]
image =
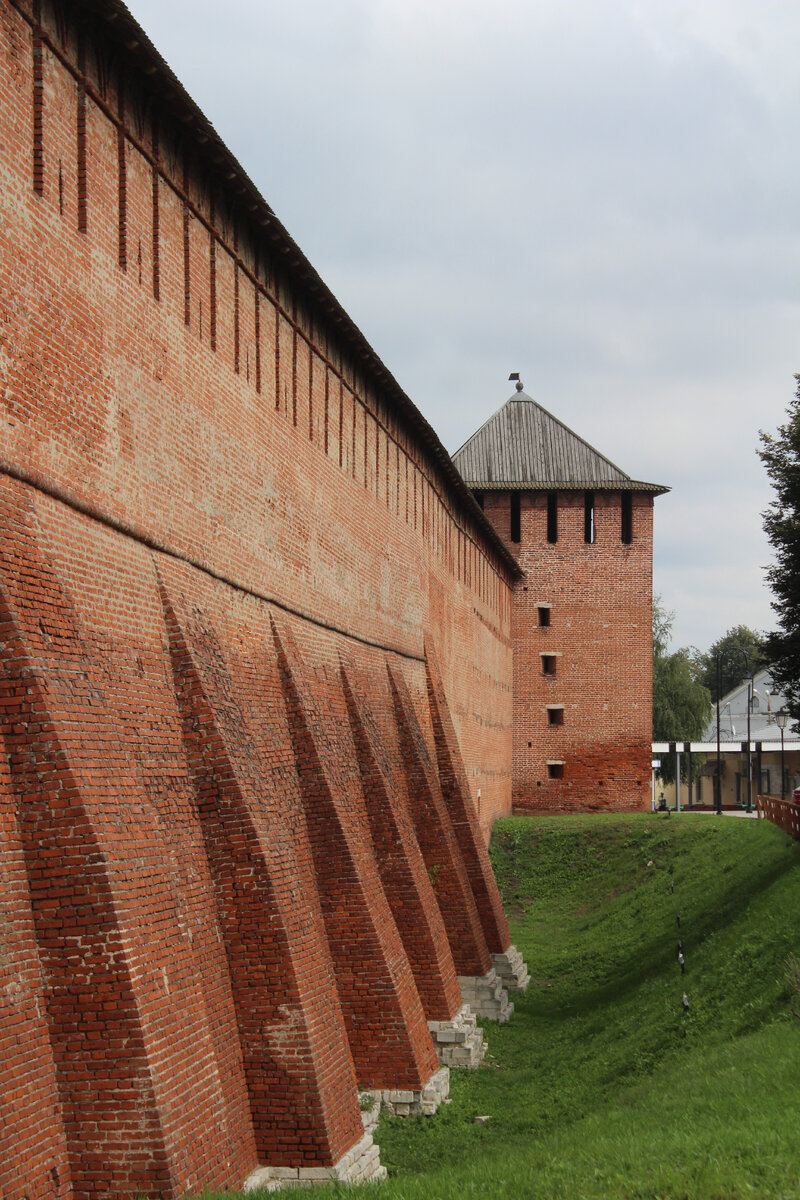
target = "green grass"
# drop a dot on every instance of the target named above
(600, 1086)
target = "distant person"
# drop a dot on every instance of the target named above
(662, 803)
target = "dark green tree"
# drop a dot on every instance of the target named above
(681, 704)
(741, 651)
(781, 457)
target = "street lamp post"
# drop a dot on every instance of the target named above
(782, 716)
(718, 776)
(749, 760)
(750, 687)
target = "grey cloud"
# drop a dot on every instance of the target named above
(601, 195)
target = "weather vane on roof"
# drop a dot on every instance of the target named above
(518, 384)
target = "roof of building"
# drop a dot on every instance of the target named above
(765, 702)
(137, 52)
(523, 446)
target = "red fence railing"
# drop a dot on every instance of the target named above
(780, 812)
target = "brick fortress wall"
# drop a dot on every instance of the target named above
(255, 651)
(598, 598)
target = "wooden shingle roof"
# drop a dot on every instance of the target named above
(524, 447)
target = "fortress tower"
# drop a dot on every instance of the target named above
(582, 532)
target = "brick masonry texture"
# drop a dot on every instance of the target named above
(599, 599)
(255, 667)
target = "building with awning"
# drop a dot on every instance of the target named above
(752, 708)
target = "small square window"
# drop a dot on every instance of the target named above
(548, 664)
(555, 770)
(544, 615)
(555, 716)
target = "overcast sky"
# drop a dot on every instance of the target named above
(603, 195)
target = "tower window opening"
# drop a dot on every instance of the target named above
(515, 516)
(552, 518)
(548, 664)
(555, 770)
(555, 715)
(626, 519)
(588, 518)
(543, 611)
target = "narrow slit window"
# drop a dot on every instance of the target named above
(626, 519)
(555, 770)
(588, 518)
(548, 664)
(543, 611)
(479, 499)
(515, 516)
(552, 518)
(555, 716)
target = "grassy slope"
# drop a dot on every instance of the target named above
(600, 1086)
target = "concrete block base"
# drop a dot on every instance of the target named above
(361, 1164)
(486, 995)
(511, 969)
(459, 1043)
(407, 1102)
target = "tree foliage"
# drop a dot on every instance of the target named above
(780, 455)
(681, 704)
(741, 651)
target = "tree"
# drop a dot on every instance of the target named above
(741, 651)
(781, 457)
(681, 704)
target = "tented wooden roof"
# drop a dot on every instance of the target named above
(524, 447)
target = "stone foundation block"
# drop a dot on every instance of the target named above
(486, 995)
(512, 970)
(404, 1102)
(370, 1110)
(361, 1164)
(459, 1043)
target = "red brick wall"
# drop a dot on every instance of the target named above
(223, 553)
(600, 633)
(33, 1139)
(283, 471)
